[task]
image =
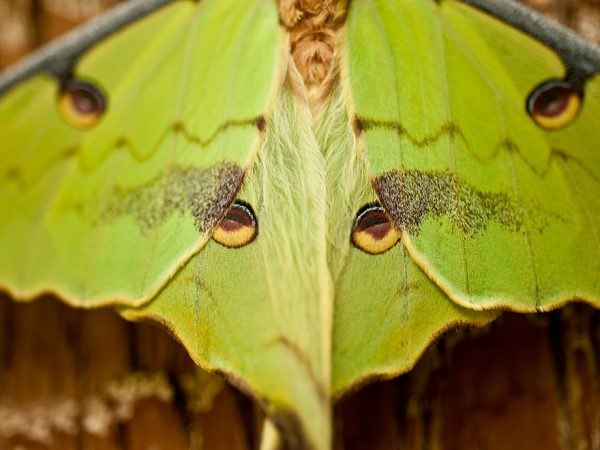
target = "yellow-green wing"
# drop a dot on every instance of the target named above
(261, 313)
(496, 210)
(298, 316)
(386, 310)
(110, 213)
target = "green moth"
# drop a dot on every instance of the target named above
(307, 193)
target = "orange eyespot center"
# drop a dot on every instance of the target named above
(373, 231)
(554, 104)
(81, 103)
(238, 227)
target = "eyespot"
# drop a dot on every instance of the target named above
(81, 103)
(373, 231)
(238, 227)
(554, 104)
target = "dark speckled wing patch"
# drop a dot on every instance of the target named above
(410, 197)
(205, 194)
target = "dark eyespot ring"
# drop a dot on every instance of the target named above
(239, 226)
(554, 104)
(81, 103)
(373, 230)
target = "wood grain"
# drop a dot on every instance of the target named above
(526, 382)
(72, 379)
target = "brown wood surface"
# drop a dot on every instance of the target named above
(75, 379)
(526, 382)
(72, 379)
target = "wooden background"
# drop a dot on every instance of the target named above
(72, 379)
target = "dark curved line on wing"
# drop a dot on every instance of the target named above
(362, 125)
(179, 128)
(449, 129)
(15, 175)
(556, 153)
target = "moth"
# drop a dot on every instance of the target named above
(305, 192)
